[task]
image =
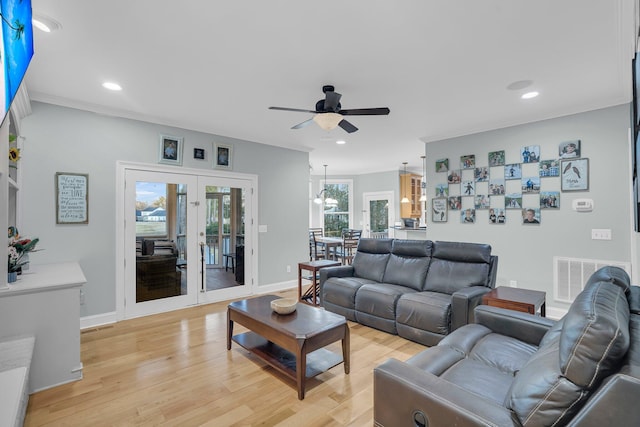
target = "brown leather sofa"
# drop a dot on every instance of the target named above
(418, 289)
(516, 369)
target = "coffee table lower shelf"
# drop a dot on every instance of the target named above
(284, 361)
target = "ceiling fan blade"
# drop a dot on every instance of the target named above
(366, 112)
(303, 124)
(331, 101)
(292, 109)
(347, 126)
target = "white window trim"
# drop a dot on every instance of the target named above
(349, 183)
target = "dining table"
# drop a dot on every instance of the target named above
(331, 245)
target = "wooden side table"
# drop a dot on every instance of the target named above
(517, 299)
(313, 267)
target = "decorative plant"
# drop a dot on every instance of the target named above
(18, 248)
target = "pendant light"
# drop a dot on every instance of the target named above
(405, 199)
(423, 185)
(322, 195)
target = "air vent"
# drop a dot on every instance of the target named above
(571, 274)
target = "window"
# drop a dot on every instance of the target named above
(337, 216)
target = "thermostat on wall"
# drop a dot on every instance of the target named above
(582, 205)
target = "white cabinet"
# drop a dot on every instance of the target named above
(45, 303)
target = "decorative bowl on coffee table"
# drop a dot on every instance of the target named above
(284, 305)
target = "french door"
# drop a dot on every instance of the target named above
(185, 240)
(378, 214)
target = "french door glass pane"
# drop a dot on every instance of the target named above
(161, 234)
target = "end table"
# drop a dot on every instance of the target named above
(517, 299)
(313, 267)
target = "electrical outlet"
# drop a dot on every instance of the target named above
(288, 269)
(513, 283)
(601, 234)
(81, 297)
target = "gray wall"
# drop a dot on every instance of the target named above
(526, 251)
(60, 139)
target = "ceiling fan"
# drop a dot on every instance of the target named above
(328, 113)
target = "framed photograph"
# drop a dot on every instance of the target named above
(549, 200)
(442, 165)
(170, 150)
(496, 187)
(454, 177)
(439, 209)
(481, 201)
(530, 185)
(513, 201)
(455, 203)
(468, 161)
(496, 158)
(442, 190)
(513, 171)
(72, 198)
(223, 156)
(531, 154)
(530, 216)
(468, 216)
(482, 174)
(549, 168)
(198, 153)
(497, 216)
(468, 188)
(575, 175)
(569, 149)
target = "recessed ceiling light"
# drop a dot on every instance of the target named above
(44, 23)
(529, 95)
(111, 86)
(341, 142)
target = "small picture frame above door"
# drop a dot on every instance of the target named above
(170, 150)
(223, 156)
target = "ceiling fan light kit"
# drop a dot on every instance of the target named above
(328, 113)
(327, 121)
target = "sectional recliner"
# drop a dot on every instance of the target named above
(517, 369)
(418, 289)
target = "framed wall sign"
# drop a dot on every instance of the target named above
(574, 175)
(439, 212)
(72, 198)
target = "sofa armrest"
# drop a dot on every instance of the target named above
(339, 271)
(462, 304)
(403, 393)
(522, 326)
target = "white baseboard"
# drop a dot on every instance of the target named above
(555, 313)
(97, 320)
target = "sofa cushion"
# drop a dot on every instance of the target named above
(371, 258)
(342, 290)
(552, 386)
(458, 265)
(429, 311)
(595, 336)
(476, 377)
(408, 263)
(380, 299)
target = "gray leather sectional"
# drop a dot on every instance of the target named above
(418, 289)
(516, 369)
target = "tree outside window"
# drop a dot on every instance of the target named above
(336, 216)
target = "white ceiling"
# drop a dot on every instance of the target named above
(442, 67)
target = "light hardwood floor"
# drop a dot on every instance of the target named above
(173, 369)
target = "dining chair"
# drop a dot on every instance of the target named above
(350, 240)
(316, 249)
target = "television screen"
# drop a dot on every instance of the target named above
(16, 48)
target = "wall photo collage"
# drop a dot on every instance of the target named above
(469, 187)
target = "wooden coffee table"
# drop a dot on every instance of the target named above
(293, 343)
